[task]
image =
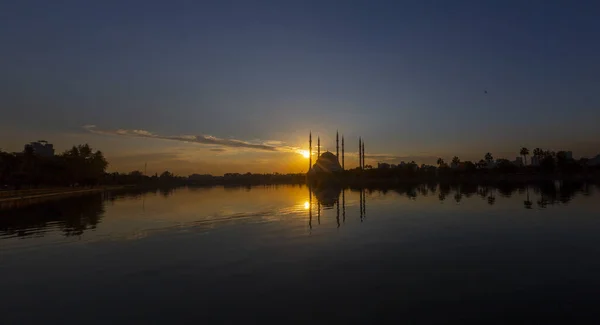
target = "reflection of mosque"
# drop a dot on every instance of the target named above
(329, 198)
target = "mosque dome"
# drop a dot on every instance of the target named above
(327, 163)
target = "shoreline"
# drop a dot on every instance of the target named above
(22, 198)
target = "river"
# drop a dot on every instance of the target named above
(425, 254)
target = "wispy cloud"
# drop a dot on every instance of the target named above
(390, 158)
(271, 145)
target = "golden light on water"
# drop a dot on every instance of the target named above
(306, 205)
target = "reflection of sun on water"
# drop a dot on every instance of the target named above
(306, 205)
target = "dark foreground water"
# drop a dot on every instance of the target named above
(415, 255)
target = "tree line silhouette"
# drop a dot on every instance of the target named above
(80, 165)
(548, 163)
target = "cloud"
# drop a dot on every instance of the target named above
(201, 139)
(274, 143)
(217, 149)
(390, 158)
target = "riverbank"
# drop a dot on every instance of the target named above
(368, 180)
(20, 198)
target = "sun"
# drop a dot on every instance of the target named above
(306, 205)
(305, 153)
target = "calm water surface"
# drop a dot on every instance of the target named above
(418, 255)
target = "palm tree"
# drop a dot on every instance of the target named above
(440, 162)
(537, 152)
(524, 152)
(455, 160)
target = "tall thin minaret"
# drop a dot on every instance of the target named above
(363, 154)
(309, 151)
(318, 147)
(337, 146)
(343, 168)
(359, 153)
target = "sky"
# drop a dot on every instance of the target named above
(236, 86)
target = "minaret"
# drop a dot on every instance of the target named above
(363, 154)
(343, 168)
(337, 145)
(309, 151)
(318, 147)
(359, 153)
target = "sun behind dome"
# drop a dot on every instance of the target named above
(326, 163)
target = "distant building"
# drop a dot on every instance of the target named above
(41, 148)
(594, 161)
(535, 161)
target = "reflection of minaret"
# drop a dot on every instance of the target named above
(310, 207)
(364, 203)
(343, 168)
(363, 154)
(337, 146)
(318, 211)
(309, 151)
(359, 153)
(361, 205)
(318, 147)
(337, 215)
(343, 203)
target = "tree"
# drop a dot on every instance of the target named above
(30, 167)
(8, 166)
(524, 152)
(481, 164)
(98, 165)
(136, 174)
(440, 162)
(84, 166)
(548, 163)
(538, 153)
(489, 158)
(505, 166)
(383, 166)
(470, 166)
(166, 175)
(455, 160)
